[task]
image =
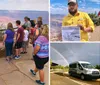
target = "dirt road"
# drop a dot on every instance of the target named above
(65, 79)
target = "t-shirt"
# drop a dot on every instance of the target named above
(32, 31)
(27, 24)
(25, 35)
(21, 32)
(43, 42)
(10, 36)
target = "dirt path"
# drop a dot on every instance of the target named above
(65, 79)
(95, 36)
(17, 72)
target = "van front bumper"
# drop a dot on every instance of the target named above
(92, 76)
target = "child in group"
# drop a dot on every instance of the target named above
(19, 40)
(25, 40)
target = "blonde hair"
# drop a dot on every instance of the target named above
(45, 31)
(10, 26)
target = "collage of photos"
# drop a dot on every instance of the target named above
(75, 42)
(50, 42)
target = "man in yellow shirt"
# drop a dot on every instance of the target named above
(77, 18)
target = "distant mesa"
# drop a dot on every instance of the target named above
(6, 19)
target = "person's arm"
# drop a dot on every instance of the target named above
(5, 36)
(18, 37)
(37, 45)
(15, 37)
(37, 32)
(36, 49)
(36, 35)
(89, 24)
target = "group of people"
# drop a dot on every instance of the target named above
(31, 32)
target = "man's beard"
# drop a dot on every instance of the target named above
(73, 13)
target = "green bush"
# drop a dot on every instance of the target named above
(97, 66)
(60, 67)
(95, 18)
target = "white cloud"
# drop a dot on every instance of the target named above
(90, 10)
(58, 9)
(97, 1)
(42, 5)
(61, 9)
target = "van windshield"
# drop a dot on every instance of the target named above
(89, 66)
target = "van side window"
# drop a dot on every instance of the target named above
(73, 65)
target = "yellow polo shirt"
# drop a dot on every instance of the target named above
(79, 18)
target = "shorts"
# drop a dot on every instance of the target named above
(40, 62)
(18, 45)
(24, 45)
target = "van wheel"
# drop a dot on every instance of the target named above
(82, 77)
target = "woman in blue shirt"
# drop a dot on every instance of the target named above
(41, 54)
(8, 41)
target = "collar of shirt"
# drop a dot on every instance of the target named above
(77, 14)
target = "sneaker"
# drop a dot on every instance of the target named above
(17, 57)
(32, 71)
(39, 82)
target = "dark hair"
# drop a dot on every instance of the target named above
(32, 23)
(18, 22)
(24, 27)
(26, 18)
(39, 23)
(39, 19)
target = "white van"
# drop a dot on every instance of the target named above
(84, 70)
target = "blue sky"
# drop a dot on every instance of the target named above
(40, 5)
(60, 6)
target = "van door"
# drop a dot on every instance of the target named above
(74, 69)
(79, 69)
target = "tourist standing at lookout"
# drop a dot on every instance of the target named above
(25, 40)
(27, 23)
(8, 41)
(19, 39)
(38, 30)
(32, 31)
(41, 54)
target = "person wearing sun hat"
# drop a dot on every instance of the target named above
(77, 18)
